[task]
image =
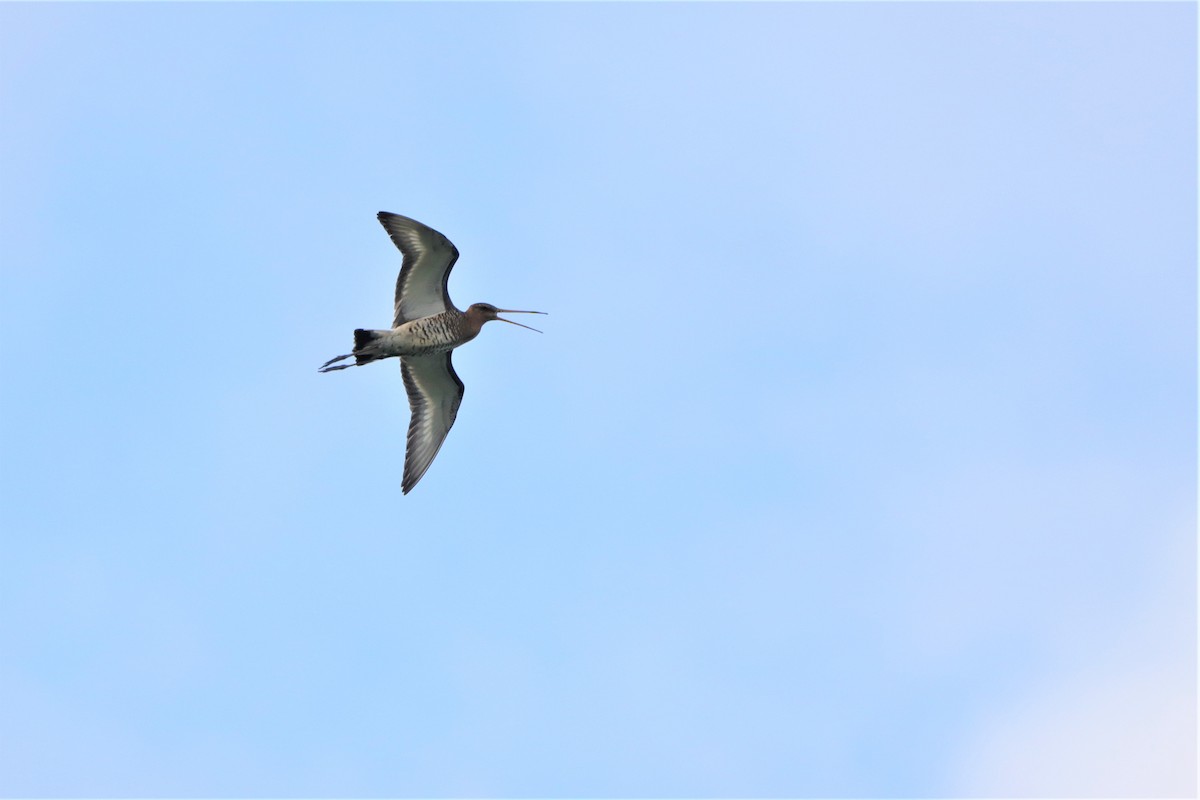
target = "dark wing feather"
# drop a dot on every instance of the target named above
(434, 395)
(428, 258)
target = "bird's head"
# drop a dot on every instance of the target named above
(486, 312)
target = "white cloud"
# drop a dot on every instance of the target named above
(1122, 733)
(1123, 724)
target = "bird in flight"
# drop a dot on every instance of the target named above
(425, 330)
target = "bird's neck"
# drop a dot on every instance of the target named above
(472, 323)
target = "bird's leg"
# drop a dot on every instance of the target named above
(326, 368)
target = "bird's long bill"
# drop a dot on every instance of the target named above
(514, 311)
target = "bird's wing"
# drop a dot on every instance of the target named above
(428, 259)
(434, 394)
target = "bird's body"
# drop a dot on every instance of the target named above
(426, 327)
(435, 334)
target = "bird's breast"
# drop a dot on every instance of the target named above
(434, 334)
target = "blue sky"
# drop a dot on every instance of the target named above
(858, 457)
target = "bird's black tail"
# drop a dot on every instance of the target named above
(362, 346)
(362, 351)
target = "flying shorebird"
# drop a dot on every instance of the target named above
(426, 329)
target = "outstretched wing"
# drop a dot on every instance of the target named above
(434, 394)
(428, 259)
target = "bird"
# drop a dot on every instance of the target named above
(426, 327)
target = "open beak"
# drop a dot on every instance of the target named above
(514, 311)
